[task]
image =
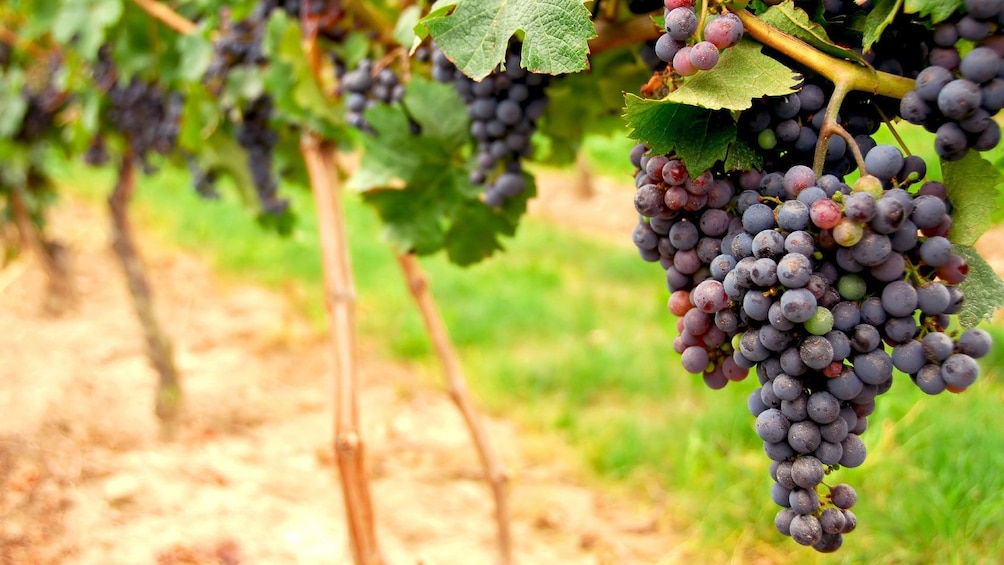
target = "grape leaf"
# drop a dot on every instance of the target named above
(196, 55)
(741, 75)
(419, 183)
(290, 80)
(983, 289)
(743, 157)
(404, 30)
(85, 21)
(938, 10)
(882, 14)
(474, 34)
(699, 136)
(796, 22)
(474, 233)
(590, 102)
(972, 189)
(13, 104)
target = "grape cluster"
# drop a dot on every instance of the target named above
(259, 140)
(39, 113)
(806, 280)
(504, 108)
(239, 45)
(674, 46)
(362, 90)
(957, 96)
(148, 117)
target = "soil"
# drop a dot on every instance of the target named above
(84, 478)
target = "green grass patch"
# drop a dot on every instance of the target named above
(571, 334)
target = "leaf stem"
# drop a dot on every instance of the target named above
(837, 71)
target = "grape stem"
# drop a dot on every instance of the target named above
(845, 76)
(892, 130)
(611, 35)
(829, 127)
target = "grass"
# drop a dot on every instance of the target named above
(571, 334)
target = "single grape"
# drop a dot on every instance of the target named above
(704, 55)
(884, 161)
(825, 213)
(681, 23)
(724, 31)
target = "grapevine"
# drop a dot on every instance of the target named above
(794, 244)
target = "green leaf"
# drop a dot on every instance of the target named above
(223, 155)
(795, 21)
(743, 157)
(476, 33)
(983, 289)
(13, 104)
(85, 21)
(419, 183)
(972, 189)
(882, 14)
(404, 31)
(938, 10)
(741, 75)
(196, 55)
(290, 80)
(584, 103)
(699, 136)
(200, 117)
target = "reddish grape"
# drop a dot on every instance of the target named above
(954, 271)
(825, 213)
(679, 302)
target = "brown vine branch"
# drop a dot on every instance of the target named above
(10, 38)
(494, 468)
(611, 35)
(158, 345)
(60, 291)
(340, 302)
(167, 16)
(375, 21)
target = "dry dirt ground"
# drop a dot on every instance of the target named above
(84, 479)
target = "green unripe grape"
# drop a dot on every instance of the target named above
(767, 140)
(852, 287)
(820, 323)
(848, 232)
(871, 185)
